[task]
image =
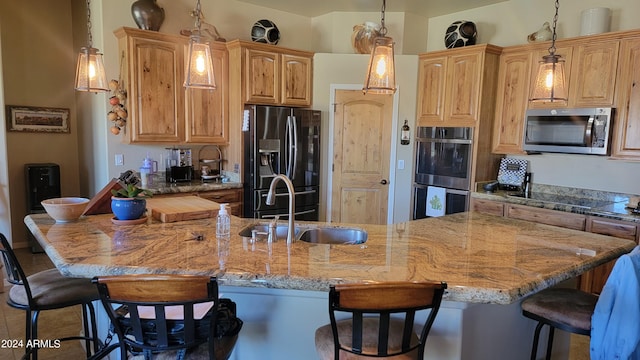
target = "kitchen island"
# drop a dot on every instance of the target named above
(490, 263)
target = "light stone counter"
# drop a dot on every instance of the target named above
(483, 258)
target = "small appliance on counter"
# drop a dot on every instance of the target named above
(179, 165)
(512, 174)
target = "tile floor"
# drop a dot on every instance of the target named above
(67, 322)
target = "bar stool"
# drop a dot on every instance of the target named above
(159, 313)
(599, 317)
(380, 320)
(48, 290)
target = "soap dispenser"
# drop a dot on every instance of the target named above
(223, 223)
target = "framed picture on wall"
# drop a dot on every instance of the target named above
(37, 119)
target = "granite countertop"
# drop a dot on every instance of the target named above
(192, 186)
(578, 201)
(483, 258)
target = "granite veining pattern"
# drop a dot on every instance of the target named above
(483, 258)
(161, 187)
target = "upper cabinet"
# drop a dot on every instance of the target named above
(160, 109)
(626, 138)
(454, 84)
(272, 75)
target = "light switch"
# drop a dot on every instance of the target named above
(119, 160)
(400, 164)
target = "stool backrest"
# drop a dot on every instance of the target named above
(161, 312)
(15, 274)
(382, 301)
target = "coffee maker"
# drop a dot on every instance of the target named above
(179, 165)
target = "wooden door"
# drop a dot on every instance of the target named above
(431, 87)
(626, 137)
(511, 103)
(262, 82)
(207, 110)
(361, 154)
(296, 80)
(594, 74)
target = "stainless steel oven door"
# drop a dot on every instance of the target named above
(456, 201)
(443, 157)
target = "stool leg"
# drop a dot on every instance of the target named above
(550, 342)
(34, 334)
(85, 326)
(536, 337)
(94, 329)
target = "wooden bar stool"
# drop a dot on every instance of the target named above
(159, 313)
(48, 290)
(380, 320)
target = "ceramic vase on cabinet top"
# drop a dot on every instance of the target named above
(147, 14)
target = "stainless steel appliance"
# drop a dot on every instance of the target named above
(281, 140)
(577, 131)
(178, 165)
(443, 159)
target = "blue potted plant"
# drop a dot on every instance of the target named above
(129, 203)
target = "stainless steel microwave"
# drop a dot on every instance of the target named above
(571, 131)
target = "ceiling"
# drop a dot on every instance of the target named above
(427, 8)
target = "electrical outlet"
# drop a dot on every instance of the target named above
(119, 160)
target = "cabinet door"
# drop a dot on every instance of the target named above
(462, 93)
(431, 90)
(296, 81)
(593, 76)
(262, 82)
(156, 102)
(626, 136)
(511, 103)
(566, 53)
(546, 216)
(487, 206)
(206, 111)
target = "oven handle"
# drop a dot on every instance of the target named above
(443, 141)
(449, 190)
(589, 133)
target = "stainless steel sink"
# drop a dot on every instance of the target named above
(331, 235)
(314, 235)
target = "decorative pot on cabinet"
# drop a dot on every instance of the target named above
(147, 14)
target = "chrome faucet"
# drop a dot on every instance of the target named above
(292, 202)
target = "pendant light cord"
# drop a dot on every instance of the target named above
(198, 12)
(552, 49)
(90, 38)
(383, 29)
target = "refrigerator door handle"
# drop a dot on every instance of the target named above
(290, 147)
(294, 159)
(287, 214)
(306, 192)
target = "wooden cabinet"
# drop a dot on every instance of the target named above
(546, 216)
(456, 86)
(594, 280)
(160, 109)
(626, 135)
(487, 206)
(511, 101)
(271, 75)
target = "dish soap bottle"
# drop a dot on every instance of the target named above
(223, 223)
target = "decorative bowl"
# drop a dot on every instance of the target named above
(65, 209)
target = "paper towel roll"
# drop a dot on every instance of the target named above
(595, 21)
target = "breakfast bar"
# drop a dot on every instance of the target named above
(490, 264)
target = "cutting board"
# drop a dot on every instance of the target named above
(181, 208)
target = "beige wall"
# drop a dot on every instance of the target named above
(38, 74)
(5, 210)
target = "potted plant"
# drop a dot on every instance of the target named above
(129, 203)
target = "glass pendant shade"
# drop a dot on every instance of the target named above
(90, 73)
(199, 71)
(381, 75)
(549, 84)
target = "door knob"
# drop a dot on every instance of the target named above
(384, 182)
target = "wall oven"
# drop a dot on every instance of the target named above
(443, 159)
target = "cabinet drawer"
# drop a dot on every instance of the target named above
(487, 206)
(624, 230)
(223, 196)
(549, 217)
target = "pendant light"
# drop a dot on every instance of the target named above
(381, 75)
(199, 70)
(549, 84)
(90, 74)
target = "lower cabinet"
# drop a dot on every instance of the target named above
(233, 197)
(591, 281)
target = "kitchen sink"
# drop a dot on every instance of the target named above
(314, 235)
(332, 235)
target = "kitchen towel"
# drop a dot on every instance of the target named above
(436, 201)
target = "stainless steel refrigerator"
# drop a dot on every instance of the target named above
(281, 140)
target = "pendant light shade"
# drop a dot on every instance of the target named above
(549, 84)
(90, 73)
(199, 69)
(381, 72)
